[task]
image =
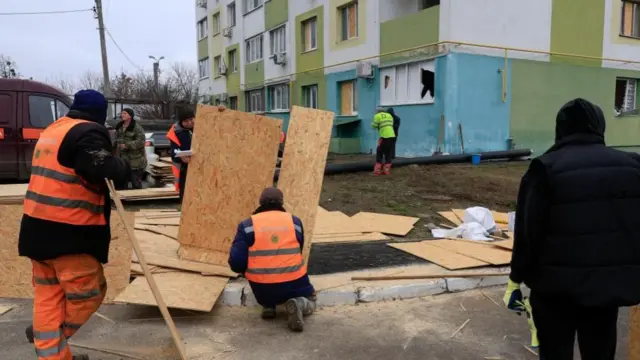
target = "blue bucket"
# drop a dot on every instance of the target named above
(475, 159)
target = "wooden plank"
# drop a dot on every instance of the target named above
(175, 221)
(500, 217)
(15, 271)
(180, 290)
(303, 162)
(451, 216)
(459, 213)
(226, 176)
(634, 333)
(193, 266)
(491, 255)
(169, 231)
(437, 255)
(335, 222)
(148, 278)
(384, 223)
(5, 309)
(506, 244)
(350, 238)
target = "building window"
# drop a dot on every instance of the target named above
(309, 41)
(348, 97)
(349, 21)
(250, 5)
(310, 96)
(279, 97)
(278, 40)
(630, 24)
(233, 61)
(216, 66)
(231, 14)
(203, 29)
(255, 100)
(254, 49)
(625, 99)
(412, 83)
(425, 4)
(203, 68)
(233, 102)
(215, 23)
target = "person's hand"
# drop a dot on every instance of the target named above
(122, 146)
(513, 297)
(186, 159)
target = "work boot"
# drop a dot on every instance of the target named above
(29, 332)
(387, 169)
(294, 311)
(80, 357)
(377, 169)
(268, 313)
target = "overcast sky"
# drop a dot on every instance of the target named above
(67, 45)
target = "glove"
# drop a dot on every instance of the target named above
(532, 325)
(513, 297)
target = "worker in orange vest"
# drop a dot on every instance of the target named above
(267, 249)
(65, 227)
(179, 137)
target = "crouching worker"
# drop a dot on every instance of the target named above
(267, 249)
(65, 227)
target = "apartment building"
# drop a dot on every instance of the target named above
(464, 76)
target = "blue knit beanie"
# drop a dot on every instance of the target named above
(92, 103)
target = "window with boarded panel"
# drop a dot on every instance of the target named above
(630, 24)
(349, 21)
(348, 98)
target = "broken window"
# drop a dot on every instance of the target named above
(625, 98)
(425, 4)
(412, 83)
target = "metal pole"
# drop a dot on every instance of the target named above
(105, 64)
(156, 74)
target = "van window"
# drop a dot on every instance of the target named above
(44, 110)
(6, 109)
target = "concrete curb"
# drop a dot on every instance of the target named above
(238, 292)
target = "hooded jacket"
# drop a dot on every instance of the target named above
(577, 208)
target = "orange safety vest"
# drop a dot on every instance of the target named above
(56, 193)
(275, 256)
(175, 168)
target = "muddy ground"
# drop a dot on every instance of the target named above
(422, 191)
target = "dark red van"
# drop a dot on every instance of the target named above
(26, 108)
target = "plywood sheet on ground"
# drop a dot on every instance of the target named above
(500, 217)
(174, 221)
(303, 162)
(339, 238)
(157, 244)
(437, 255)
(180, 290)
(451, 216)
(173, 262)
(386, 224)
(489, 254)
(506, 244)
(335, 222)
(226, 176)
(170, 231)
(15, 271)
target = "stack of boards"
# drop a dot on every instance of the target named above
(456, 254)
(161, 171)
(14, 194)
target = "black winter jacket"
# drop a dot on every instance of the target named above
(87, 149)
(576, 217)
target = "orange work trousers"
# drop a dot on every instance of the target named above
(67, 291)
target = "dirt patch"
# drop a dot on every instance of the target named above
(422, 191)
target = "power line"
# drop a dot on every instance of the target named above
(46, 12)
(121, 51)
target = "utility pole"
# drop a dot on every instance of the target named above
(105, 64)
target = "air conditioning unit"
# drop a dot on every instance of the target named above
(364, 70)
(279, 59)
(201, 3)
(222, 69)
(227, 32)
(223, 97)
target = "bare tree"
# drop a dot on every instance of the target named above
(67, 86)
(8, 67)
(91, 80)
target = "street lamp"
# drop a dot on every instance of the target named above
(156, 69)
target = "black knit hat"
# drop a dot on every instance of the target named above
(185, 114)
(271, 196)
(129, 111)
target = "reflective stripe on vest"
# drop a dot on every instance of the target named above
(56, 193)
(175, 168)
(275, 256)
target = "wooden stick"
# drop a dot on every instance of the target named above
(459, 329)
(175, 335)
(117, 353)
(425, 276)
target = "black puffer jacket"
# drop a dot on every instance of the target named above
(576, 228)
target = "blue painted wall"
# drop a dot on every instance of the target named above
(473, 98)
(284, 116)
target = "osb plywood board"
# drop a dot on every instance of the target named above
(489, 254)
(303, 162)
(226, 176)
(437, 255)
(203, 255)
(15, 271)
(157, 244)
(170, 231)
(180, 290)
(500, 217)
(386, 224)
(506, 244)
(634, 334)
(349, 238)
(175, 221)
(173, 262)
(335, 222)
(451, 216)
(459, 213)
